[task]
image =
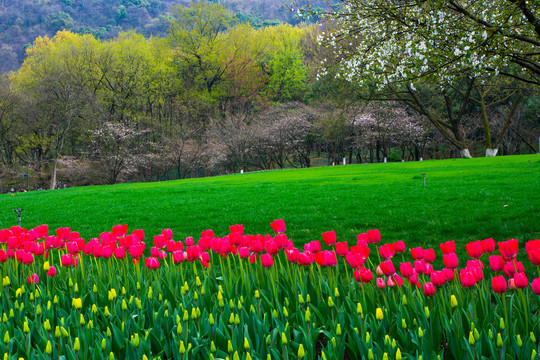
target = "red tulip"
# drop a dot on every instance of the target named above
(267, 260)
(355, 260)
(394, 280)
(3, 256)
(278, 226)
(512, 267)
(417, 253)
(167, 233)
(271, 247)
(137, 251)
(363, 274)
(243, 252)
(253, 258)
(66, 260)
(237, 228)
(509, 249)
(438, 278)
(488, 245)
(152, 263)
(451, 260)
(521, 280)
(387, 251)
(496, 263)
(120, 253)
(330, 258)
(536, 286)
(193, 252)
(474, 249)
(414, 278)
(448, 247)
(380, 283)
(160, 241)
(305, 258)
(534, 256)
(374, 236)
(449, 274)
(499, 284)
(63, 233)
(406, 269)
(189, 241)
(429, 255)
(292, 254)
(313, 246)
(388, 268)
(477, 272)
(362, 238)
(33, 279)
(51, 272)
(429, 289)
(420, 266)
(342, 248)
(329, 237)
(429, 269)
(467, 278)
(399, 246)
(178, 257)
(207, 234)
(107, 252)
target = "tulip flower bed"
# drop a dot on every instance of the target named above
(259, 297)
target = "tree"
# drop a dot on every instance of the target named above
(397, 47)
(56, 76)
(195, 34)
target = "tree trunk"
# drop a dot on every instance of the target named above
(465, 153)
(491, 152)
(53, 175)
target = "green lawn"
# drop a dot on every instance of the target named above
(464, 200)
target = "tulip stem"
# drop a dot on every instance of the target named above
(505, 310)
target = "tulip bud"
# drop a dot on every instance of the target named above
(501, 324)
(38, 310)
(370, 355)
(420, 332)
(379, 314)
(398, 354)
(534, 355)
(334, 344)
(274, 314)
(229, 347)
(300, 299)
(385, 356)
(213, 347)
(106, 311)
(453, 301)
(330, 302)
(268, 340)
(108, 332)
(426, 311)
(26, 329)
(301, 352)
(403, 324)
(235, 356)
(257, 295)
(48, 348)
(160, 298)
(91, 324)
(47, 325)
(179, 329)
(471, 338)
(236, 319)
(533, 338)
(308, 315)
(193, 313)
(186, 316)
(476, 334)
(490, 334)
(499, 340)
(94, 289)
(367, 337)
(77, 303)
(124, 305)
(76, 345)
(246, 344)
(211, 319)
(135, 340)
(150, 293)
(6, 338)
(283, 338)
(103, 344)
(76, 288)
(111, 356)
(144, 357)
(336, 293)
(57, 332)
(519, 341)
(81, 319)
(338, 330)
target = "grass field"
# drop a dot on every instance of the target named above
(464, 200)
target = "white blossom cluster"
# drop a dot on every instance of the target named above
(389, 41)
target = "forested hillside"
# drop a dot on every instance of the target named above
(21, 21)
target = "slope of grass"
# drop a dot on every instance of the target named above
(464, 200)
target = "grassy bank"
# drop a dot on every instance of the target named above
(463, 200)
